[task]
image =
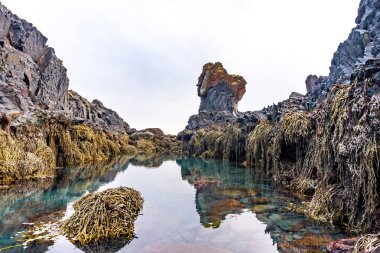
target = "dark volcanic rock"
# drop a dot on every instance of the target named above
(311, 80)
(362, 44)
(218, 90)
(5, 23)
(26, 38)
(54, 83)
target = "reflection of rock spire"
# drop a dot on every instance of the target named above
(221, 189)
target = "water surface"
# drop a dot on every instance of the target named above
(191, 205)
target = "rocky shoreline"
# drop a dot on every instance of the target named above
(323, 146)
(320, 152)
(43, 124)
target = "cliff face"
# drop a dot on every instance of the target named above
(31, 74)
(362, 44)
(33, 78)
(324, 145)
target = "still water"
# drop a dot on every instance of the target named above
(190, 205)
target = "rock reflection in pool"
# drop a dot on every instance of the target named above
(234, 210)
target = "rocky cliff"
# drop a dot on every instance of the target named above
(33, 78)
(43, 124)
(362, 44)
(324, 145)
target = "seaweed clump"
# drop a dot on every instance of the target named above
(257, 144)
(33, 149)
(109, 214)
(22, 159)
(202, 142)
(367, 244)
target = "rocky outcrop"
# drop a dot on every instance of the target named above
(220, 93)
(31, 74)
(33, 78)
(311, 81)
(362, 44)
(96, 114)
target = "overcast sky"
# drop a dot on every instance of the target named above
(142, 58)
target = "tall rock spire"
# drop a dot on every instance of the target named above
(220, 93)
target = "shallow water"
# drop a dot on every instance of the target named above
(191, 205)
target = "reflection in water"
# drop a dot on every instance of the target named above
(41, 200)
(153, 161)
(238, 210)
(105, 246)
(223, 189)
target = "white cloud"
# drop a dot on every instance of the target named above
(142, 58)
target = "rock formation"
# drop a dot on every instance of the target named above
(33, 78)
(95, 113)
(325, 144)
(311, 81)
(362, 44)
(219, 93)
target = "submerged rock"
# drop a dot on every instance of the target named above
(293, 225)
(263, 208)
